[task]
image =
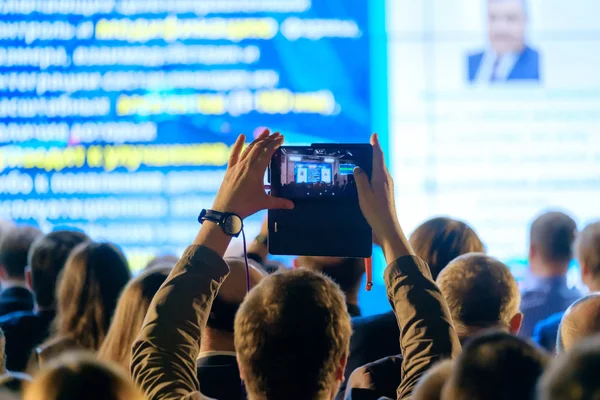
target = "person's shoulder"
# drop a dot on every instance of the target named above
(17, 318)
(530, 51)
(476, 55)
(549, 323)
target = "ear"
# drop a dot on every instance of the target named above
(29, 278)
(532, 251)
(339, 373)
(515, 323)
(241, 368)
(3, 273)
(296, 263)
(585, 272)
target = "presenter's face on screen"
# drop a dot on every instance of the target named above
(507, 21)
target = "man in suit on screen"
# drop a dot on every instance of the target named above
(508, 57)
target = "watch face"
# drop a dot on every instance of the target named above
(232, 225)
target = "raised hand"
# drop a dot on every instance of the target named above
(242, 191)
(376, 199)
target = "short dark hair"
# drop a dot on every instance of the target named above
(587, 247)
(47, 257)
(14, 248)
(574, 374)
(480, 291)
(552, 234)
(291, 332)
(440, 240)
(496, 365)
(346, 272)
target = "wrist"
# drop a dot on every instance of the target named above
(394, 243)
(212, 236)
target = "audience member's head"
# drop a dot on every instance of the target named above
(551, 244)
(432, 382)
(481, 293)
(507, 23)
(292, 335)
(78, 376)
(218, 335)
(587, 251)
(580, 321)
(162, 261)
(13, 252)
(47, 257)
(5, 226)
(91, 281)
(440, 240)
(495, 365)
(346, 272)
(129, 315)
(574, 374)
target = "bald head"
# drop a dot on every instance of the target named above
(232, 293)
(481, 293)
(431, 384)
(587, 249)
(580, 321)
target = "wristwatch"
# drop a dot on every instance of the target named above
(230, 223)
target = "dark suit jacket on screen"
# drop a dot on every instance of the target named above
(219, 377)
(163, 359)
(24, 330)
(527, 66)
(15, 299)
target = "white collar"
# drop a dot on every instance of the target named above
(205, 354)
(13, 284)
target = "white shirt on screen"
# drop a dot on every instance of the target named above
(505, 65)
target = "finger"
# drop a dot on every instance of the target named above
(278, 203)
(262, 136)
(236, 150)
(267, 153)
(378, 157)
(261, 148)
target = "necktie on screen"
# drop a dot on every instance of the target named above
(494, 75)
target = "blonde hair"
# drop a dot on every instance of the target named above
(75, 376)
(129, 315)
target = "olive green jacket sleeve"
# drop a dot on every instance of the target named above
(163, 363)
(426, 331)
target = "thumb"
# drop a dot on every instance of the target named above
(362, 182)
(274, 203)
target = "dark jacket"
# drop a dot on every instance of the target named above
(163, 362)
(546, 332)
(219, 377)
(527, 66)
(15, 299)
(24, 331)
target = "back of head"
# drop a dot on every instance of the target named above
(80, 376)
(231, 294)
(581, 320)
(14, 248)
(431, 384)
(496, 365)
(587, 248)
(551, 239)
(574, 374)
(92, 279)
(440, 240)
(346, 272)
(292, 335)
(480, 292)
(129, 315)
(47, 257)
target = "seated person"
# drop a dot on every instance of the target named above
(15, 295)
(436, 241)
(346, 272)
(292, 331)
(481, 293)
(580, 321)
(496, 366)
(218, 372)
(587, 251)
(550, 253)
(75, 376)
(25, 330)
(573, 375)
